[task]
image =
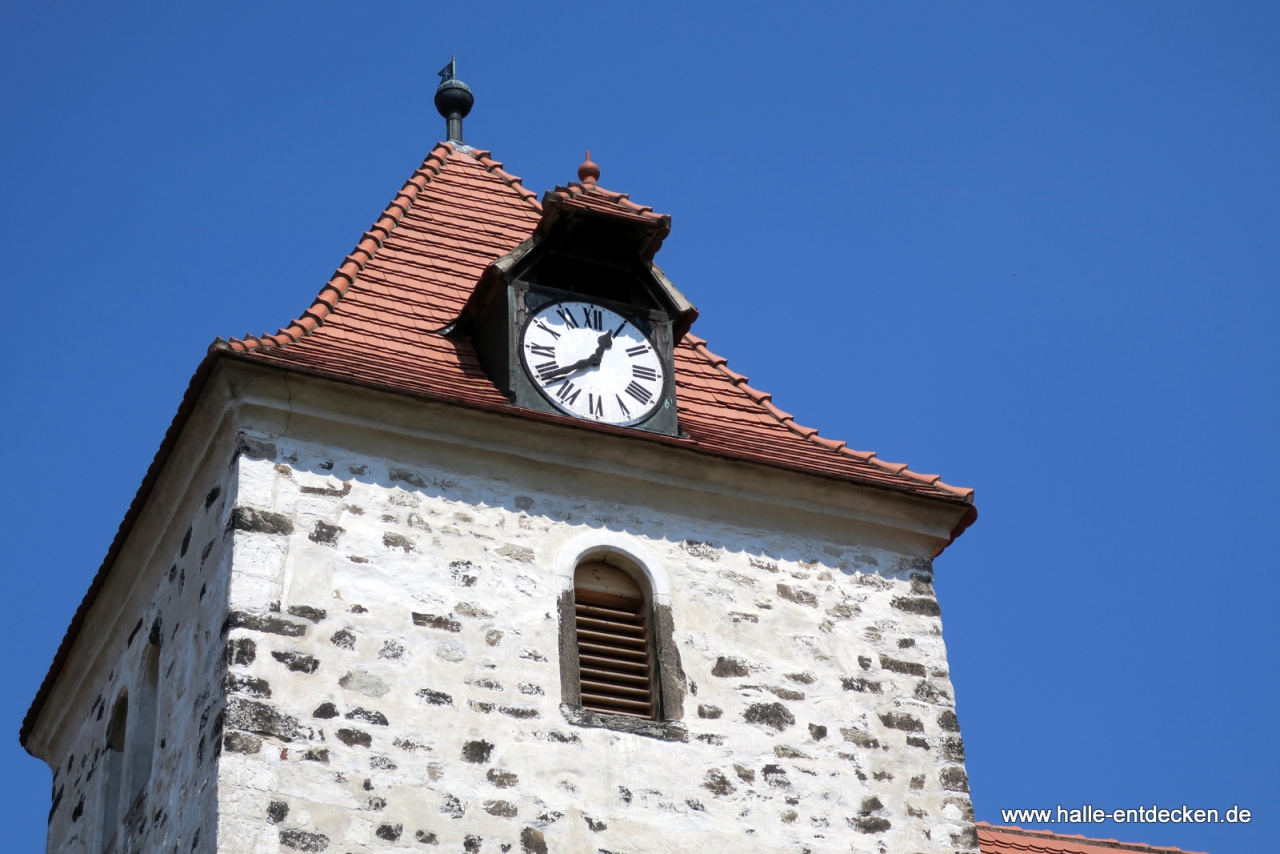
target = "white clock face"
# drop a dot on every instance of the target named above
(593, 363)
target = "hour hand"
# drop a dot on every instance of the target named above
(553, 374)
(603, 343)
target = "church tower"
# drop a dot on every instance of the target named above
(488, 552)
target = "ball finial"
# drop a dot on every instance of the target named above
(453, 100)
(588, 172)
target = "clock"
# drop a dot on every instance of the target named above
(593, 363)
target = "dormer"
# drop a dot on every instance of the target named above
(578, 320)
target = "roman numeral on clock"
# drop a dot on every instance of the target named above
(640, 372)
(568, 394)
(592, 318)
(639, 392)
(542, 350)
(567, 316)
(639, 350)
(546, 369)
(626, 413)
(595, 405)
(541, 324)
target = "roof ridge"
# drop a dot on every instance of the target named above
(370, 243)
(515, 182)
(765, 401)
(1141, 847)
(344, 277)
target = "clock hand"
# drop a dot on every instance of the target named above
(562, 373)
(603, 343)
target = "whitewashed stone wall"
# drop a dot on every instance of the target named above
(177, 603)
(392, 681)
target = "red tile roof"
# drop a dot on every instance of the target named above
(590, 196)
(376, 322)
(993, 839)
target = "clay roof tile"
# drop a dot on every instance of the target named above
(994, 839)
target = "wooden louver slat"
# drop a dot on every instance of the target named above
(614, 656)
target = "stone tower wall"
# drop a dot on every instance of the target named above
(174, 600)
(392, 651)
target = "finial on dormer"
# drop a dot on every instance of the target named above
(588, 172)
(453, 100)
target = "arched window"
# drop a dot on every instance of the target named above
(142, 741)
(113, 776)
(619, 663)
(616, 663)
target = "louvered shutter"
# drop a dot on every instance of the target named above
(615, 656)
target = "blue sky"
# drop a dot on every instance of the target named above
(1031, 246)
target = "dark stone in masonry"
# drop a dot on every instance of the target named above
(432, 621)
(909, 668)
(502, 809)
(435, 698)
(260, 521)
(301, 840)
(727, 667)
(241, 651)
(239, 742)
(902, 721)
(368, 716)
(865, 686)
(235, 683)
(477, 751)
(954, 779)
(325, 534)
(869, 824)
(257, 449)
(717, 783)
(773, 715)
(306, 612)
(775, 776)
(260, 718)
(268, 623)
(795, 594)
(354, 737)
(917, 605)
(502, 779)
(532, 841)
(297, 661)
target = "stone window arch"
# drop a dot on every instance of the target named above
(140, 756)
(618, 658)
(130, 744)
(113, 759)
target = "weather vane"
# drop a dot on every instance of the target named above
(450, 71)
